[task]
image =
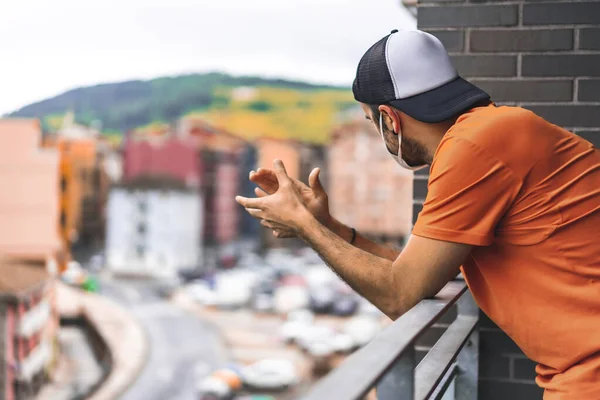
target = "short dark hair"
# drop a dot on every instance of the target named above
(375, 111)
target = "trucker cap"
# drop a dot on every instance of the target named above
(411, 71)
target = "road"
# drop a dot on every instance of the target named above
(183, 349)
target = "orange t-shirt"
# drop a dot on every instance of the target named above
(527, 194)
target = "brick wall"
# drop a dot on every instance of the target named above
(544, 56)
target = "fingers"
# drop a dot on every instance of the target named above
(280, 171)
(256, 213)
(283, 235)
(250, 203)
(266, 179)
(259, 192)
(279, 231)
(263, 175)
(315, 183)
(299, 185)
(273, 225)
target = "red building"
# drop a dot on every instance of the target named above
(170, 156)
(200, 156)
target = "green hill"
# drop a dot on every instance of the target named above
(249, 106)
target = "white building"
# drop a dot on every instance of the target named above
(153, 231)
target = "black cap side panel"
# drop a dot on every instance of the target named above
(373, 83)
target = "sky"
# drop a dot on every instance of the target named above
(49, 47)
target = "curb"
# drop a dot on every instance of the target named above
(129, 347)
(126, 340)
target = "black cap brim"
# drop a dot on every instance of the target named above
(443, 102)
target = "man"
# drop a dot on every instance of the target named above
(513, 202)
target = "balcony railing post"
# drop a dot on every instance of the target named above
(468, 359)
(399, 382)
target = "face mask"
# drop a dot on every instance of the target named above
(397, 158)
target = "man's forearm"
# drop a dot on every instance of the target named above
(368, 274)
(360, 241)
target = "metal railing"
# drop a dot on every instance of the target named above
(448, 371)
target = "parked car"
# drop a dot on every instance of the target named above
(365, 307)
(74, 274)
(316, 339)
(290, 297)
(264, 286)
(165, 290)
(250, 260)
(263, 302)
(200, 292)
(320, 275)
(297, 324)
(270, 374)
(362, 329)
(190, 274)
(320, 348)
(212, 388)
(343, 343)
(322, 299)
(233, 290)
(345, 305)
(302, 315)
(230, 376)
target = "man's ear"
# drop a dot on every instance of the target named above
(394, 115)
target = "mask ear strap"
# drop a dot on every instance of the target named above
(381, 131)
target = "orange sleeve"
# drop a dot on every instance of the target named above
(468, 193)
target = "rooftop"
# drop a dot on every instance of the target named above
(19, 275)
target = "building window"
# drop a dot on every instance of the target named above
(141, 228)
(63, 184)
(63, 218)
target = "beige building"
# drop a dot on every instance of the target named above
(287, 151)
(29, 239)
(29, 191)
(367, 189)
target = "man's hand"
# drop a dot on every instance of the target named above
(284, 209)
(313, 197)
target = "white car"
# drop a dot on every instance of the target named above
(297, 324)
(292, 330)
(233, 289)
(315, 335)
(74, 274)
(270, 374)
(343, 343)
(320, 348)
(362, 329)
(302, 315)
(290, 298)
(201, 293)
(319, 275)
(262, 302)
(215, 388)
